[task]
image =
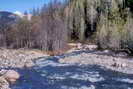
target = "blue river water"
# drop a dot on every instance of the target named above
(50, 74)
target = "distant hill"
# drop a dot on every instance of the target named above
(7, 18)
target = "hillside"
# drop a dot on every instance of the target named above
(7, 18)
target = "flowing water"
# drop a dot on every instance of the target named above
(49, 74)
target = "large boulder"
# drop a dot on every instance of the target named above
(11, 76)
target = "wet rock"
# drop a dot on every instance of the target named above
(11, 76)
(29, 64)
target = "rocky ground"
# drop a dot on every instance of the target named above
(18, 58)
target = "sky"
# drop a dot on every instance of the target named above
(20, 5)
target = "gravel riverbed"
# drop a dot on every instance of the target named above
(25, 58)
(118, 62)
(19, 58)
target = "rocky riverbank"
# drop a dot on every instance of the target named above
(20, 58)
(89, 55)
(83, 55)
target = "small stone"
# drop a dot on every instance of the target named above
(29, 64)
(79, 46)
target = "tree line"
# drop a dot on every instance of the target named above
(107, 23)
(46, 30)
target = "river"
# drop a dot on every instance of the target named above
(50, 74)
